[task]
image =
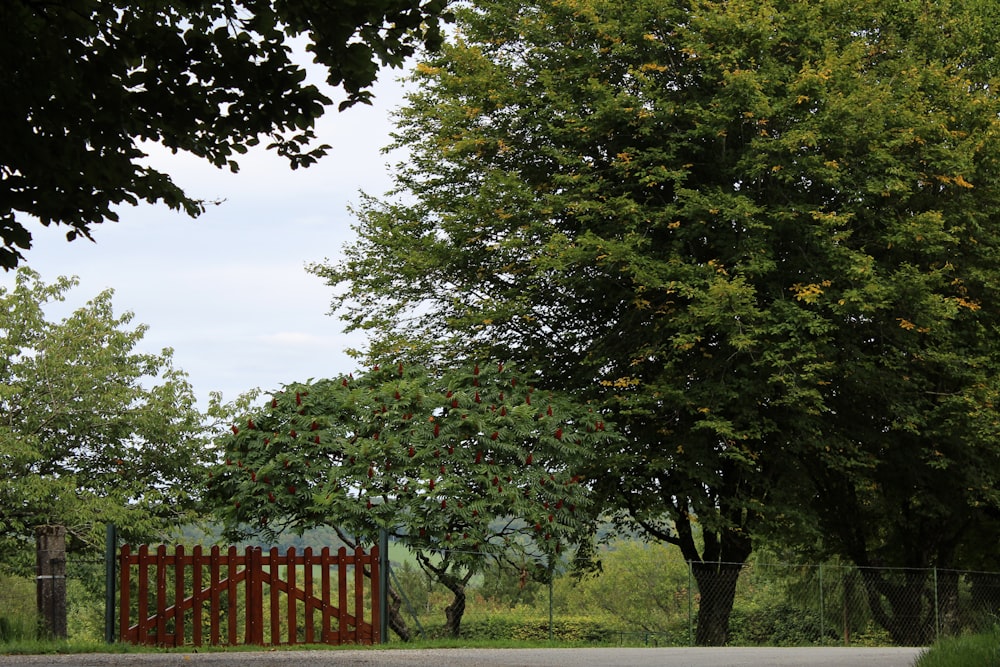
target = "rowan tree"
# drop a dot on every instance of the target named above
(762, 234)
(456, 465)
(92, 431)
(89, 83)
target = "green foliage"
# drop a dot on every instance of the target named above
(434, 460)
(88, 81)
(777, 624)
(509, 584)
(91, 430)
(85, 611)
(415, 585)
(512, 626)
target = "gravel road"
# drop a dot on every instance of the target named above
(586, 657)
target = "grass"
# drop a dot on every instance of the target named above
(980, 650)
(50, 647)
(41, 647)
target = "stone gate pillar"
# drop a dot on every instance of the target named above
(50, 568)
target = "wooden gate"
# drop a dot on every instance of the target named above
(273, 598)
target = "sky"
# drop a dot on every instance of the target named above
(228, 291)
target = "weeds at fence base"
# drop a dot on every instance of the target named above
(59, 647)
(17, 628)
(981, 650)
(18, 620)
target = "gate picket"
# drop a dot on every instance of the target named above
(143, 592)
(290, 577)
(342, 618)
(327, 617)
(178, 615)
(214, 605)
(163, 599)
(307, 583)
(275, 598)
(199, 595)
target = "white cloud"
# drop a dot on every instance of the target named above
(296, 338)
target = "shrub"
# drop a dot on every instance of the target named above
(517, 627)
(776, 624)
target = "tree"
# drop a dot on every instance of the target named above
(760, 233)
(88, 81)
(91, 430)
(456, 465)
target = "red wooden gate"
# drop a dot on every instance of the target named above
(276, 598)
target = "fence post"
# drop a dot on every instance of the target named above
(937, 608)
(110, 580)
(50, 579)
(383, 585)
(690, 605)
(551, 577)
(822, 610)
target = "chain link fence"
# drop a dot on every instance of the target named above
(780, 604)
(756, 604)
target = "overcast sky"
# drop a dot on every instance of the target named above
(228, 291)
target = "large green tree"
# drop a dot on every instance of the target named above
(458, 465)
(92, 431)
(86, 82)
(762, 233)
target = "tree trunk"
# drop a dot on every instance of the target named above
(456, 584)
(717, 568)
(902, 604)
(948, 607)
(717, 591)
(396, 621)
(453, 612)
